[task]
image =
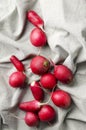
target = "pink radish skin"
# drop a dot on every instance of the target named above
(63, 74)
(39, 65)
(17, 63)
(38, 37)
(47, 113)
(31, 106)
(35, 19)
(31, 119)
(37, 91)
(17, 79)
(48, 81)
(61, 99)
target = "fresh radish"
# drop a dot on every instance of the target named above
(61, 98)
(31, 119)
(32, 106)
(37, 91)
(39, 65)
(17, 63)
(35, 19)
(17, 79)
(48, 81)
(63, 74)
(46, 113)
(38, 37)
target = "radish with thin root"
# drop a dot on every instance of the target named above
(47, 113)
(39, 65)
(31, 119)
(37, 91)
(32, 106)
(17, 63)
(35, 19)
(61, 98)
(63, 74)
(48, 81)
(38, 37)
(17, 79)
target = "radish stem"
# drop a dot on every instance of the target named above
(49, 97)
(15, 116)
(39, 50)
(52, 63)
(49, 123)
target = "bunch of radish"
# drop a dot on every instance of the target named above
(48, 81)
(37, 110)
(43, 111)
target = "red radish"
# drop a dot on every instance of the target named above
(63, 74)
(35, 19)
(32, 106)
(39, 65)
(38, 37)
(48, 81)
(17, 79)
(61, 98)
(37, 91)
(17, 63)
(47, 113)
(31, 119)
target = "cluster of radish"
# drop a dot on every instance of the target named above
(50, 74)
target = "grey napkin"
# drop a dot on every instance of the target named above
(65, 27)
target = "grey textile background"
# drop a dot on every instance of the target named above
(65, 27)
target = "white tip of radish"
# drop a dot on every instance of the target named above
(32, 84)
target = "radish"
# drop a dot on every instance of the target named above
(63, 74)
(38, 37)
(17, 63)
(37, 91)
(35, 19)
(48, 81)
(46, 113)
(39, 65)
(32, 106)
(31, 119)
(61, 98)
(17, 79)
